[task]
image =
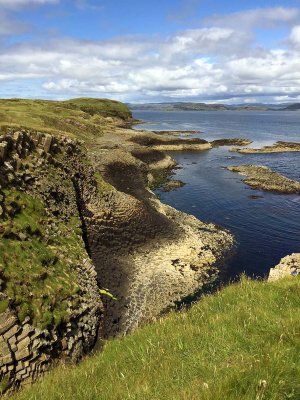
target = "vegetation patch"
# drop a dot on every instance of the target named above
(103, 186)
(38, 259)
(104, 107)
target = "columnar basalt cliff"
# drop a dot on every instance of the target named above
(50, 305)
(76, 217)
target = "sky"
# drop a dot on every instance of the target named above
(151, 51)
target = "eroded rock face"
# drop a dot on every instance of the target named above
(288, 266)
(27, 351)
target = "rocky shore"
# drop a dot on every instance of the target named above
(231, 142)
(157, 141)
(278, 147)
(182, 133)
(261, 177)
(149, 255)
(288, 266)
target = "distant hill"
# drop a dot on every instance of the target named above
(292, 107)
(189, 106)
(194, 107)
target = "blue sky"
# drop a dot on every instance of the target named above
(163, 50)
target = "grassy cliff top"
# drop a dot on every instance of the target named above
(80, 117)
(241, 343)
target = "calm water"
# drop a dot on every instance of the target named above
(266, 228)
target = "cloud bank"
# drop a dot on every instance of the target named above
(222, 60)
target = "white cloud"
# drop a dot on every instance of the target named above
(13, 4)
(295, 35)
(260, 17)
(213, 40)
(217, 62)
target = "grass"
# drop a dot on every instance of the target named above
(78, 118)
(36, 264)
(103, 107)
(241, 343)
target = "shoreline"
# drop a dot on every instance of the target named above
(170, 254)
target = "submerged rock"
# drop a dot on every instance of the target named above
(172, 185)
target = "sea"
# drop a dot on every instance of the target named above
(266, 225)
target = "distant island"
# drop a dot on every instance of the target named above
(189, 106)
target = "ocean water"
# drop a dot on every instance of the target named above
(267, 227)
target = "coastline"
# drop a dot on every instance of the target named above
(145, 256)
(160, 255)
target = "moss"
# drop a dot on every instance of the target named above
(37, 265)
(4, 384)
(3, 305)
(103, 186)
(161, 177)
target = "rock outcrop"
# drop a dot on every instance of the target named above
(288, 266)
(261, 177)
(230, 142)
(278, 147)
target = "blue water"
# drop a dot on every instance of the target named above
(266, 228)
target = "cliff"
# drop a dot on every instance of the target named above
(76, 216)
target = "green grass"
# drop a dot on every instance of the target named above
(78, 118)
(3, 305)
(36, 264)
(104, 107)
(241, 343)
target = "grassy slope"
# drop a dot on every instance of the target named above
(36, 265)
(82, 118)
(241, 343)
